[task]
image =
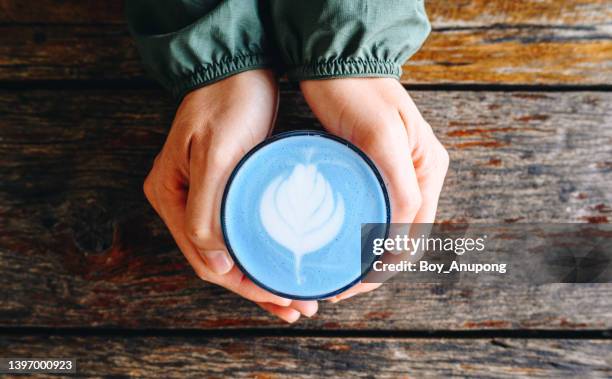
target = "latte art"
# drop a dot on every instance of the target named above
(292, 211)
(301, 212)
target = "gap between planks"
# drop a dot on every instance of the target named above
(602, 334)
(136, 84)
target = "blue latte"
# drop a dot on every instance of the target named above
(293, 210)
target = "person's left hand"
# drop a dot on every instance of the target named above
(213, 128)
(379, 117)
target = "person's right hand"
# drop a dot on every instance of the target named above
(379, 117)
(214, 127)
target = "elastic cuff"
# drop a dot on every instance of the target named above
(349, 67)
(209, 73)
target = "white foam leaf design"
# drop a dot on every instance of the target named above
(301, 212)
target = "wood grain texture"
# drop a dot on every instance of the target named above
(513, 55)
(79, 246)
(443, 13)
(487, 12)
(281, 357)
(61, 11)
(49, 52)
(477, 41)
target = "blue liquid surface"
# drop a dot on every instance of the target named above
(356, 195)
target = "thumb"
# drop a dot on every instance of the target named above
(208, 173)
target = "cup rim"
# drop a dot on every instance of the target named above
(272, 139)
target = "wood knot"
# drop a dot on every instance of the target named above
(92, 228)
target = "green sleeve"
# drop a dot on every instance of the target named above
(186, 44)
(321, 39)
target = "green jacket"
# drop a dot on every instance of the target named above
(186, 44)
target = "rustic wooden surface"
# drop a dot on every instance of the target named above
(307, 357)
(80, 246)
(476, 41)
(81, 250)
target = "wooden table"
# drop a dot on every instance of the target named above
(519, 93)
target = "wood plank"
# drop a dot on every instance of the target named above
(68, 53)
(516, 55)
(443, 13)
(522, 42)
(519, 12)
(525, 55)
(307, 357)
(62, 11)
(79, 246)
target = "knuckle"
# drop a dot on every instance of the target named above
(434, 159)
(442, 157)
(201, 236)
(409, 204)
(157, 160)
(148, 187)
(159, 163)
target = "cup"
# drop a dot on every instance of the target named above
(292, 212)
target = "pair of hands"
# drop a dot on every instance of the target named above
(215, 126)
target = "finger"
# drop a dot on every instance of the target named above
(307, 308)
(429, 156)
(208, 174)
(431, 180)
(387, 145)
(171, 204)
(236, 281)
(355, 290)
(289, 315)
(207, 177)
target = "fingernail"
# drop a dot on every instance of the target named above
(307, 308)
(293, 317)
(311, 312)
(218, 261)
(333, 300)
